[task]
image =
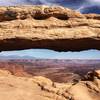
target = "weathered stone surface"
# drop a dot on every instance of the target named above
(97, 73)
(36, 88)
(55, 28)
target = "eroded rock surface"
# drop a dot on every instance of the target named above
(55, 28)
(23, 88)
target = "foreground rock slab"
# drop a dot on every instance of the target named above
(56, 28)
(36, 88)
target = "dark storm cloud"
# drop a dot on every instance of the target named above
(91, 6)
(91, 9)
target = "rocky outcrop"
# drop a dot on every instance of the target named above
(23, 88)
(54, 28)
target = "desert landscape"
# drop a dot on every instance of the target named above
(48, 27)
(25, 87)
(56, 70)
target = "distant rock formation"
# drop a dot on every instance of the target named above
(18, 88)
(57, 28)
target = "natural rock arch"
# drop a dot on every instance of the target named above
(56, 28)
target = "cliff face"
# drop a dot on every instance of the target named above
(54, 28)
(36, 88)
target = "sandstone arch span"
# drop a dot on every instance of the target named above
(56, 28)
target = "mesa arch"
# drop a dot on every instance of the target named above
(57, 28)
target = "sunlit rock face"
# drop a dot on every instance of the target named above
(39, 87)
(54, 28)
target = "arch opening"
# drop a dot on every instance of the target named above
(51, 54)
(57, 66)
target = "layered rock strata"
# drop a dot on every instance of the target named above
(57, 28)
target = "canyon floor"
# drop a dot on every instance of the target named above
(56, 70)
